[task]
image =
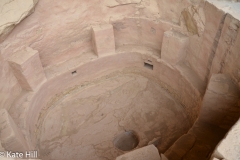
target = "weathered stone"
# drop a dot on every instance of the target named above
(198, 152)
(194, 20)
(220, 102)
(11, 137)
(173, 12)
(102, 128)
(202, 49)
(12, 13)
(174, 47)
(229, 147)
(103, 39)
(163, 157)
(228, 6)
(179, 149)
(146, 153)
(227, 56)
(27, 68)
(69, 125)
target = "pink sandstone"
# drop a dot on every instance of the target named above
(76, 74)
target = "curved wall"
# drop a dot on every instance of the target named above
(169, 78)
(138, 29)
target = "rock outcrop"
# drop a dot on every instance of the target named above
(13, 12)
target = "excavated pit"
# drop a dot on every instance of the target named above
(103, 80)
(96, 121)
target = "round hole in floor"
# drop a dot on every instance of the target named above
(126, 141)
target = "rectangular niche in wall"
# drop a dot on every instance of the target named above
(148, 65)
(74, 73)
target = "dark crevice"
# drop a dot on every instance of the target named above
(215, 46)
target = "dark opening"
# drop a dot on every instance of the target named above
(126, 141)
(74, 73)
(147, 65)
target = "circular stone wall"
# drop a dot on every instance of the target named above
(85, 123)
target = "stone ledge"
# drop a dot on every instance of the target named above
(145, 153)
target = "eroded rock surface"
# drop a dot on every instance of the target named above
(11, 137)
(13, 12)
(229, 147)
(194, 20)
(146, 153)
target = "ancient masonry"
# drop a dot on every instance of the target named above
(120, 79)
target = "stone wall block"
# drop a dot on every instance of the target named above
(27, 68)
(103, 39)
(11, 136)
(174, 47)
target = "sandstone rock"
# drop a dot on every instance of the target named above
(103, 39)
(220, 102)
(141, 26)
(163, 157)
(174, 47)
(229, 147)
(146, 153)
(11, 137)
(201, 50)
(12, 13)
(27, 68)
(228, 6)
(173, 12)
(227, 55)
(180, 147)
(194, 20)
